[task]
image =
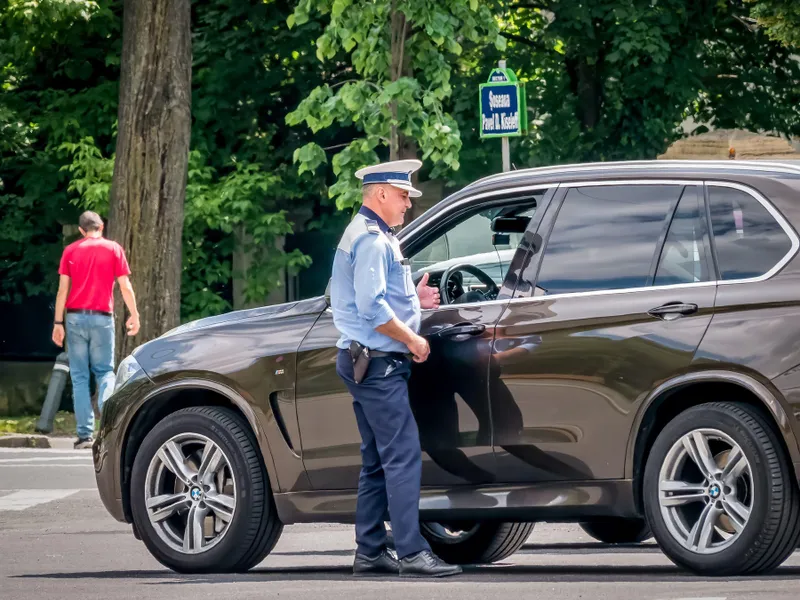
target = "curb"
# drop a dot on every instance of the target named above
(24, 441)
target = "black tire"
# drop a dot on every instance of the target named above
(489, 542)
(618, 530)
(254, 528)
(772, 530)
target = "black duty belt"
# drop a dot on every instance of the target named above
(82, 311)
(380, 353)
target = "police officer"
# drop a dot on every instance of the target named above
(376, 309)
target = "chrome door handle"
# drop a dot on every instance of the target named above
(462, 329)
(673, 310)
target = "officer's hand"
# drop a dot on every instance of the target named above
(428, 296)
(419, 348)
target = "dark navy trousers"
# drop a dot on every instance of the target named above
(391, 458)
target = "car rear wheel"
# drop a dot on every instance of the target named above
(200, 494)
(618, 530)
(719, 494)
(473, 543)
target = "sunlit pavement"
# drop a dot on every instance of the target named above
(57, 541)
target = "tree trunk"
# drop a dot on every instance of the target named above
(150, 170)
(398, 46)
(401, 146)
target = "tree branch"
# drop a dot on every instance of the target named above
(522, 40)
(530, 5)
(368, 82)
(335, 146)
(750, 24)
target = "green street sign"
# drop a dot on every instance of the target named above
(503, 105)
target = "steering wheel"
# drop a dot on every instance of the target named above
(467, 268)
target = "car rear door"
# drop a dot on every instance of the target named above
(614, 302)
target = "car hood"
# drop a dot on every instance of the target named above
(276, 311)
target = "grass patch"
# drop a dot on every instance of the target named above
(63, 424)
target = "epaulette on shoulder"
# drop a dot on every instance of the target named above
(372, 226)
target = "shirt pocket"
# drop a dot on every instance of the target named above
(409, 281)
(401, 275)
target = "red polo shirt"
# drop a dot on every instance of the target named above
(93, 264)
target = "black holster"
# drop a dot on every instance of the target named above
(359, 354)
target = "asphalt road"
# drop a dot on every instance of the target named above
(57, 541)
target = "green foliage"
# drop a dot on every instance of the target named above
(605, 80)
(365, 95)
(58, 110)
(91, 175)
(59, 86)
(611, 80)
(781, 18)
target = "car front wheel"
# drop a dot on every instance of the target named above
(719, 494)
(200, 494)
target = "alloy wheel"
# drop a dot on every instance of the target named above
(450, 533)
(706, 491)
(190, 493)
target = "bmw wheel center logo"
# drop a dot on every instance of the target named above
(196, 493)
(714, 491)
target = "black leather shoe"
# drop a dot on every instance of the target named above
(426, 564)
(383, 563)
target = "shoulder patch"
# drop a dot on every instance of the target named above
(358, 227)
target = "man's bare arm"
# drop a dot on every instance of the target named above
(397, 330)
(126, 287)
(64, 283)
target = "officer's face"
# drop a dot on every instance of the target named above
(395, 204)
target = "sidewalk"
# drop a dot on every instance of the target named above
(25, 440)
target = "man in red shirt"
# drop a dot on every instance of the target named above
(88, 270)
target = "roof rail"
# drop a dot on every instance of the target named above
(787, 166)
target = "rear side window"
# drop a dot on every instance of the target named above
(683, 257)
(605, 238)
(748, 239)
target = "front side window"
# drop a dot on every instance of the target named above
(485, 241)
(605, 238)
(748, 239)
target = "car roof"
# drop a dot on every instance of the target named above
(649, 168)
(599, 171)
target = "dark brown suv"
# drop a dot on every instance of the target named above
(618, 346)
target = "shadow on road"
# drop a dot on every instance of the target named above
(485, 574)
(589, 548)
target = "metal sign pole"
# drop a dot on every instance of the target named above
(506, 149)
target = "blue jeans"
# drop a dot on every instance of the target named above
(90, 348)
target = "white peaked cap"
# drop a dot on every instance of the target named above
(396, 173)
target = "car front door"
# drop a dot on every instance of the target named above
(448, 392)
(616, 301)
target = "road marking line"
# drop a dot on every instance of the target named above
(8, 461)
(85, 452)
(22, 499)
(49, 465)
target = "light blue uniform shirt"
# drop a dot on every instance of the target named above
(370, 285)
